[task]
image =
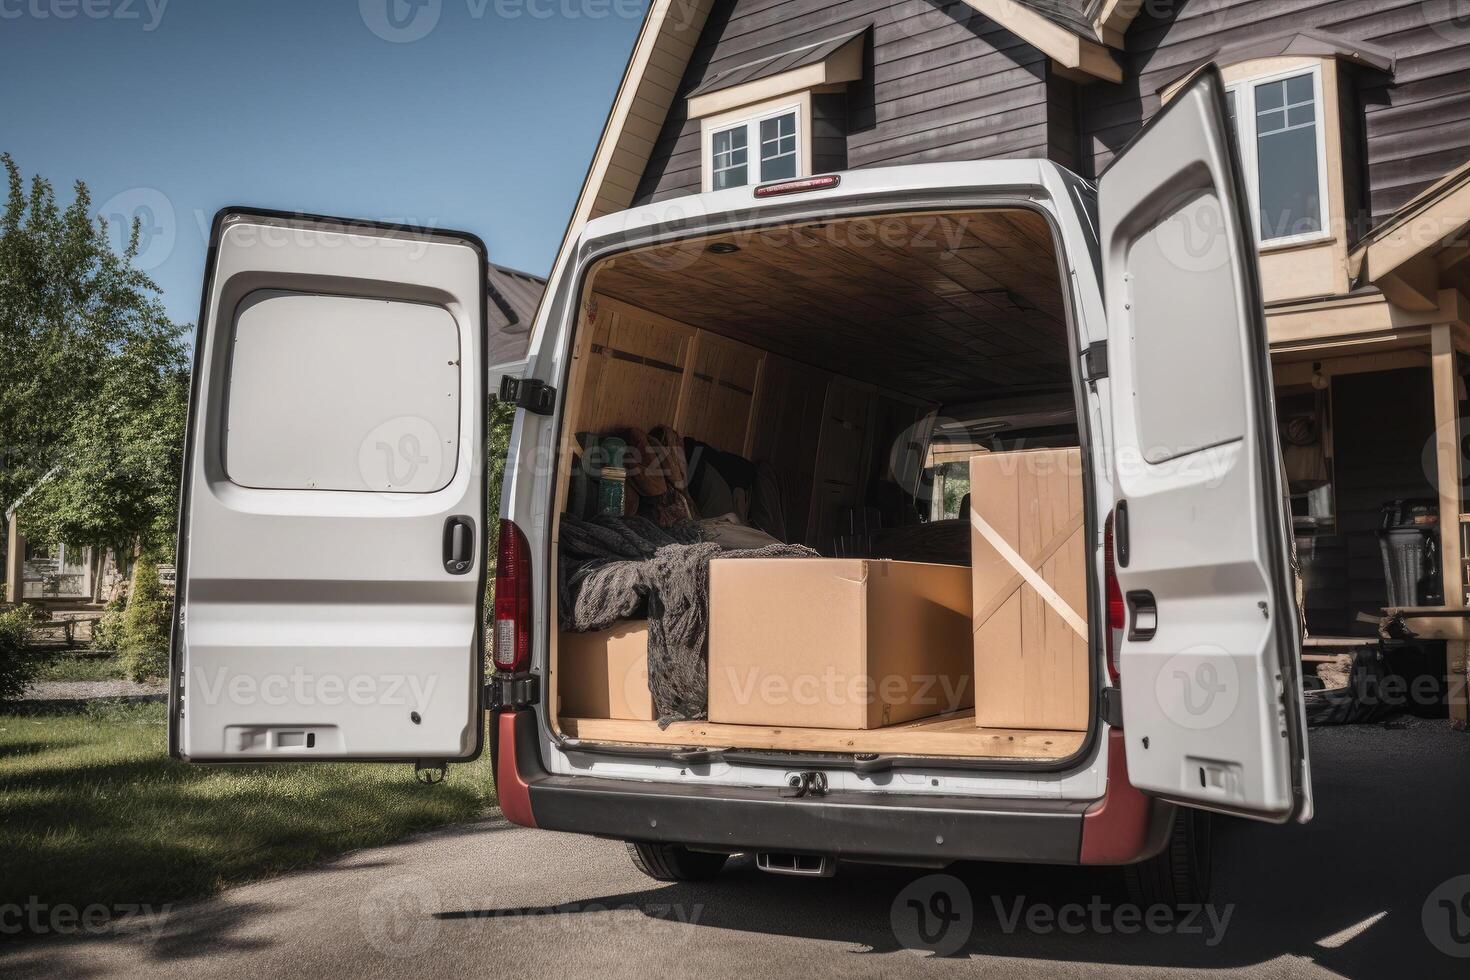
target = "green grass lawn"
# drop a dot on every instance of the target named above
(74, 665)
(92, 810)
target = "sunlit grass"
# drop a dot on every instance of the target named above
(92, 810)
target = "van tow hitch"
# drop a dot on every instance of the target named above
(800, 784)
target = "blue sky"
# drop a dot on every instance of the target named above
(478, 115)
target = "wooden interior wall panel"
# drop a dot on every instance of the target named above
(785, 431)
(635, 368)
(719, 392)
(843, 449)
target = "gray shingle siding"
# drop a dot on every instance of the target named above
(1412, 131)
(941, 83)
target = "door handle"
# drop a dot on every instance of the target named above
(459, 544)
(1143, 615)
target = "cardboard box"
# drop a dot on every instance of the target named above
(837, 642)
(1027, 545)
(605, 674)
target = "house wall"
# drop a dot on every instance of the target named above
(1413, 132)
(941, 83)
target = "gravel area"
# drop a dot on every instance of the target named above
(86, 690)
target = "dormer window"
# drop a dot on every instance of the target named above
(756, 150)
(780, 117)
(1278, 123)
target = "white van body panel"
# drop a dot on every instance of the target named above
(530, 477)
(337, 424)
(1211, 659)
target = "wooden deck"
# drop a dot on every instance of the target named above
(942, 735)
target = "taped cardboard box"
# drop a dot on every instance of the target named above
(604, 674)
(1028, 559)
(837, 642)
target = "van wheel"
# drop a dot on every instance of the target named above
(675, 862)
(1180, 874)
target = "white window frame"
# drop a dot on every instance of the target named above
(1243, 91)
(750, 118)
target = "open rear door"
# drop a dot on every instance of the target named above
(1211, 656)
(330, 558)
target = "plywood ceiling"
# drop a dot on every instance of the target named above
(950, 307)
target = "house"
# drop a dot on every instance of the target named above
(1353, 121)
(514, 296)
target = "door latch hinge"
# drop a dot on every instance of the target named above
(1112, 706)
(1095, 361)
(512, 691)
(533, 395)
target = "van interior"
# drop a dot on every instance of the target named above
(839, 406)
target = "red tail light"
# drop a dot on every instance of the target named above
(1117, 613)
(512, 600)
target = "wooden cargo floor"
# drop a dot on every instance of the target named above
(950, 735)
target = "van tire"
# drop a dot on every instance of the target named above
(674, 862)
(1180, 874)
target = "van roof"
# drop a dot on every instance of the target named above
(1025, 176)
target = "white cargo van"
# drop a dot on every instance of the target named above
(332, 562)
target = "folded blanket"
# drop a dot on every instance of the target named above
(620, 567)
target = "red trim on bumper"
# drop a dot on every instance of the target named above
(510, 789)
(1115, 830)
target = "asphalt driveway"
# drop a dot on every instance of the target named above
(1368, 889)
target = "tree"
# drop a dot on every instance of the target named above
(143, 645)
(93, 382)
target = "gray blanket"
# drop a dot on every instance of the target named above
(622, 567)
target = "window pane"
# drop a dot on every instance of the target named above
(342, 393)
(1286, 152)
(729, 155)
(778, 147)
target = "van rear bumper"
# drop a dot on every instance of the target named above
(855, 826)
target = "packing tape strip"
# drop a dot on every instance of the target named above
(1029, 574)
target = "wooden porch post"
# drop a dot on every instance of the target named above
(15, 560)
(1447, 455)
